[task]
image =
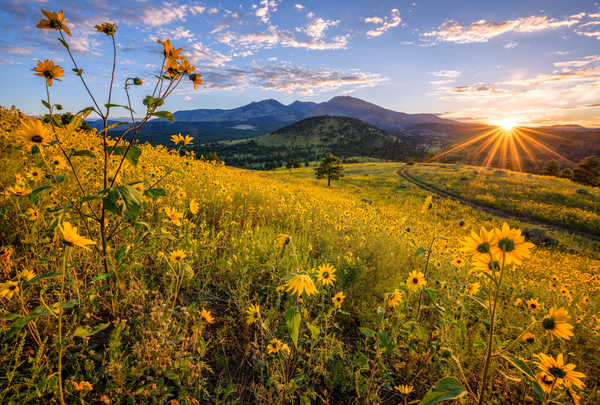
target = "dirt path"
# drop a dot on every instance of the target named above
(404, 173)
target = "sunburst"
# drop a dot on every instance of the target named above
(506, 145)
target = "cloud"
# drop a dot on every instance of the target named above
(187, 98)
(274, 37)
(264, 9)
(510, 45)
(391, 21)
(440, 82)
(316, 29)
(447, 73)
(202, 55)
(590, 28)
(566, 95)
(483, 30)
(289, 79)
(156, 16)
(299, 6)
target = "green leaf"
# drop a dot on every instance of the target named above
(86, 111)
(385, 342)
(519, 364)
(64, 43)
(58, 179)
(117, 124)
(17, 325)
(101, 277)
(34, 195)
(444, 390)
(46, 104)
(132, 201)
(133, 154)
(42, 277)
(83, 152)
(164, 114)
(155, 192)
(419, 251)
(314, 330)
(368, 332)
(293, 320)
(117, 105)
(85, 331)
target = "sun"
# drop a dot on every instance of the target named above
(508, 123)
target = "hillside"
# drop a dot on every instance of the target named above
(311, 139)
(226, 285)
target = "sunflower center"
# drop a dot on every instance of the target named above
(37, 139)
(506, 244)
(548, 323)
(530, 339)
(483, 247)
(12, 287)
(325, 275)
(557, 372)
(415, 280)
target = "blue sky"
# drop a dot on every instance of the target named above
(536, 62)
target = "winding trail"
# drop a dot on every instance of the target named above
(404, 173)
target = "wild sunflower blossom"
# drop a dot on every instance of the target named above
(54, 21)
(8, 289)
(563, 374)
(177, 256)
(404, 389)
(300, 284)
(395, 298)
(326, 274)
(555, 323)
(338, 299)
(71, 237)
(479, 243)
(34, 132)
(252, 314)
(48, 70)
(107, 28)
(206, 316)
(415, 281)
(512, 244)
(276, 346)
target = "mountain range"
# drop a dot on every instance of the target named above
(344, 106)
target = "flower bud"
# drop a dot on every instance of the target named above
(137, 81)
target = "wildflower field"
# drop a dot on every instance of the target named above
(141, 274)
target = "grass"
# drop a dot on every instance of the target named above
(547, 198)
(146, 338)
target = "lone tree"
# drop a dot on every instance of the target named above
(551, 168)
(330, 168)
(588, 171)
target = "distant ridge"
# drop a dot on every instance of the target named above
(344, 106)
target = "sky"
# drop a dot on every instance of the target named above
(528, 61)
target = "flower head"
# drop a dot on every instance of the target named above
(55, 21)
(34, 132)
(528, 337)
(194, 207)
(557, 370)
(107, 28)
(177, 256)
(555, 323)
(512, 244)
(478, 244)
(338, 299)
(71, 237)
(48, 70)
(196, 79)
(404, 389)
(276, 346)
(282, 240)
(170, 52)
(300, 284)
(394, 298)
(415, 281)
(533, 304)
(8, 289)
(252, 314)
(206, 316)
(326, 274)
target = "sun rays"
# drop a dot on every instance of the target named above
(507, 145)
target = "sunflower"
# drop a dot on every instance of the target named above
(176, 139)
(26, 275)
(533, 304)
(472, 288)
(58, 162)
(169, 52)
(528, 337)
(71, 237)
(282, 240)
(34, 174)
(338, 299)
(55, 21)
(394, 298)
(32, 214)
(458, 261)
(487, 264)
(107, 28)
(545, 381)
(194, 207)
(555, 323)
(326, 274)
(564, 374)
(415, 281)
(206, 316)
(8, 289)
(252, 314)
(512, 244)
(186, 68)
(404, 389)
(177, 256)
(300, 284)
(196, 79)
(276, 346)
(187, 140)
(35, 133)
(478, 244)
(48, 70)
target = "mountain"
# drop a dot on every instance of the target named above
(310, 139)
(344, 106)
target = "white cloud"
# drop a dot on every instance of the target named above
(316, 29)
(264, 9)
(483, 30)
(205, 56)
(155, 16)
(391, 21)
(274, 37)
(299, 6)
(578, 63)
(447, 73)
(510, 45)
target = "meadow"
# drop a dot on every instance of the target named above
(133, 273)
(547, 198)
(198, 308)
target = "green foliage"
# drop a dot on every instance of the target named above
(330, 168)
(588, 171)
